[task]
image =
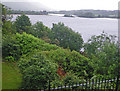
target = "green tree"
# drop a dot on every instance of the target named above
(4, 12)
(22, 24)
(39, 30)
(97, 42)
(6, 23)
(67, 37)
(7, 28)
(103, 52)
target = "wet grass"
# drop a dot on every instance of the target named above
(11, 78)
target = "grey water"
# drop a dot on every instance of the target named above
(85, 26)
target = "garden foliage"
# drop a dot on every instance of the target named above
(57, 66)
(103, 53)
(67, 37)
(37, 70)
(20, 44)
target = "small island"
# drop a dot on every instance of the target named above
(68, 15)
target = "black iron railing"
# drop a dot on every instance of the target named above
(88, 84)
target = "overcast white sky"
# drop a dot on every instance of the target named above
(75, 4)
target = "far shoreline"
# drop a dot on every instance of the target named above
(62, 15)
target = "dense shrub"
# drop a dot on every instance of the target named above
(40, 67)
(37, 70)
(71, 62)
(20, 44)
(103, 52)
(70, 78)
(97, 42)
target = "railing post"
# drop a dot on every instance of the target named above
(44, 87)
(49, 86)
(105, 84)
(61, 85)
(79, 83)
(69, 85)
(58, 86)
(72, 85)
(117, 83)
(76, 84)
(111, 84)
(82, 85)
(89, 83)
(65, 84)
(102, 84)
(99, 84)
(86, 84)
(54, 86)
(95, 83)
(108, 83)
(114, 83)
(92, 84)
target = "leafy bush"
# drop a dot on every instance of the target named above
(71, 61)
(9, 58)
(103, 52)
(97, 42)
(40, 67)
(20, 44)
(37, 70)
(69, 79)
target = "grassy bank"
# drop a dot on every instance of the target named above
(11, 78)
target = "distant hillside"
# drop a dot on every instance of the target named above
(90, 13)
(25, 6)
(43, 12)
(76, 12)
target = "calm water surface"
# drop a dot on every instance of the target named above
(85, 26)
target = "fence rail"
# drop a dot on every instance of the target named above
(88, 84)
